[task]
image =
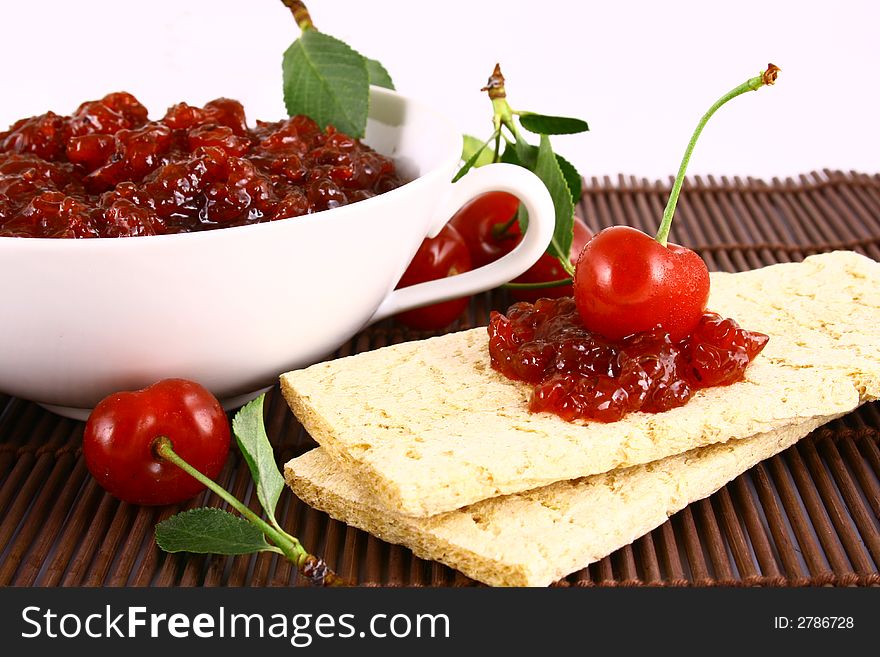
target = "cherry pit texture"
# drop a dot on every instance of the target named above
(108, 171)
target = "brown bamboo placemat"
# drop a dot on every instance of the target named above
(809, 516)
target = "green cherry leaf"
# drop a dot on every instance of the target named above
(210, 531)
(572, 177)
(541, 124)
(250, 434)
(510, 156)
(472, 146)
(562, 177)
(570, 173)
(548, 170)
(472, 160)
(378, 74)
(525, 153)
(328, 81)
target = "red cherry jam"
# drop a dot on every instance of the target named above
(108, 171)
(582, 376)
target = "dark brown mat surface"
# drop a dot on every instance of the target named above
(810, 515)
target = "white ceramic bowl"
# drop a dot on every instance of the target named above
(234, 308)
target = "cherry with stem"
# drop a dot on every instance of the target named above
(492, 224)
(627, 282)
(768, 77)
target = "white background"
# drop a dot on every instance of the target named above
(641, 73)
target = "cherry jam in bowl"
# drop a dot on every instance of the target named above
(231, 305)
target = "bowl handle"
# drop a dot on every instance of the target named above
(542, 219)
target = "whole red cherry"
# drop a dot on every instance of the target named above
(626, 282)
(548, 269)
(119, 435)
(488, 225)
(437, 257)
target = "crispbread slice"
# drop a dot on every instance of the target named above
(431, 427)
(535, 537)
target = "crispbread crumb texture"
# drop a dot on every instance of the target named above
(431, 427)
(534, 538)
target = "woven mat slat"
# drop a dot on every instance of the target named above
(809, 516)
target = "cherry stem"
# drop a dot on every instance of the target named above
(300, 14)
(312, 567)
(538, 286)
(499, 231)
(502, 114)
(768, 77)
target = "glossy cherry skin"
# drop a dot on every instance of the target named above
(481, 222)
(549, 269)
(626, 282)
(118, 438)
(437, 257)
